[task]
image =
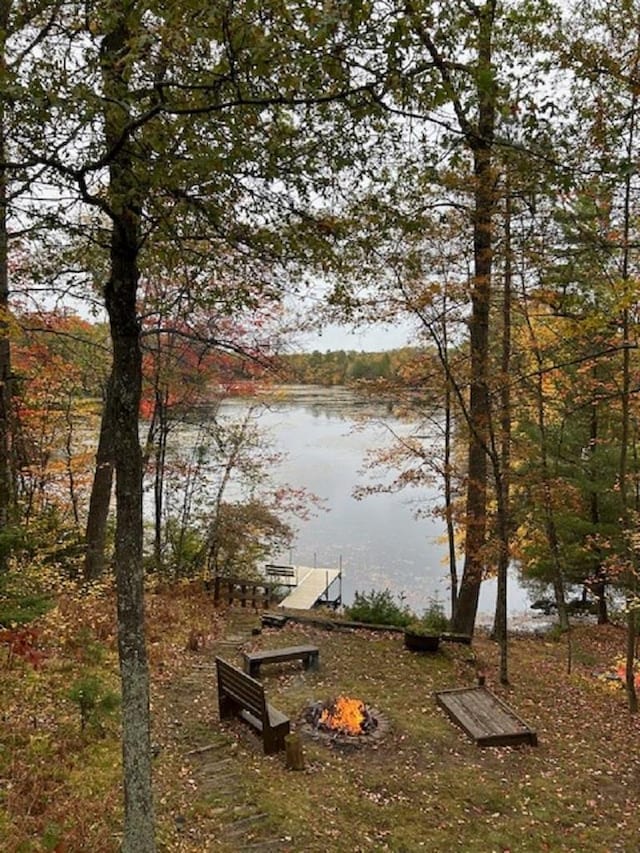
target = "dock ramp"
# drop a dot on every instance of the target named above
(311, 587)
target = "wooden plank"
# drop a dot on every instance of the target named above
(230, 589)
(484, 717)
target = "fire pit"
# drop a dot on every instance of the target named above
(344, 721)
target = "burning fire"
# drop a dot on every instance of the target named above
(344, 715)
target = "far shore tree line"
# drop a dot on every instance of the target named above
(469, 168)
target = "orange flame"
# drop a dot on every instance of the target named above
(345, 715)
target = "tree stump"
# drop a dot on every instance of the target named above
(294, 755)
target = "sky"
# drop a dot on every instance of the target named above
(365, 337)
(375, 338)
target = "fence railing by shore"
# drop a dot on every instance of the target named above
(252, 593)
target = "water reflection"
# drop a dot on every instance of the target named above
(377, 540)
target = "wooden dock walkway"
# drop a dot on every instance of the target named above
(311, 586)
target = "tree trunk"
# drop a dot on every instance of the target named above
(599, 584)
(448, 468)
(625, 395)
(127, 367)
(120, 298)
(6, 479)
(100, 499)
(479, 413)
(550, 521)
(161, 438)
(448, 502)
(503, 456)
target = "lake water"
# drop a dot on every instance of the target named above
(377, 540)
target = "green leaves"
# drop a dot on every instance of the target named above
(96, 702)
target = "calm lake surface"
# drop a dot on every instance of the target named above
(377, 540)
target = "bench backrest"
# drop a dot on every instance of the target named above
(242, 688)
(280, 571)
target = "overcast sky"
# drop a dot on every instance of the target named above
(332, 337)
(371, 339)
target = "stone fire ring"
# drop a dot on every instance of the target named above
(346, 741)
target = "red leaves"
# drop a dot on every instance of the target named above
(22, 643)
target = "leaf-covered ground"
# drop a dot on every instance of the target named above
(424, 786)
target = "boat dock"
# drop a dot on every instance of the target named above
(309, 586)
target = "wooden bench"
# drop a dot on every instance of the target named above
(241, 695)
(284, 573)
(309, 655)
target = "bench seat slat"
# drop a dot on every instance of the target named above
(276, 718)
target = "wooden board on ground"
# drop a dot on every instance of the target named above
(486, 719)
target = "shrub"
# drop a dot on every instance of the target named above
(185, 549)
(23, 609)
(95, 701)
(379, 608)
(434, 619)
(420, 629)
(24, 595)
(22, 643)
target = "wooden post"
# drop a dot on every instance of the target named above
(294, 755)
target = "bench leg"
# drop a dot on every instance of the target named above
(311, 661)
(273, 739)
